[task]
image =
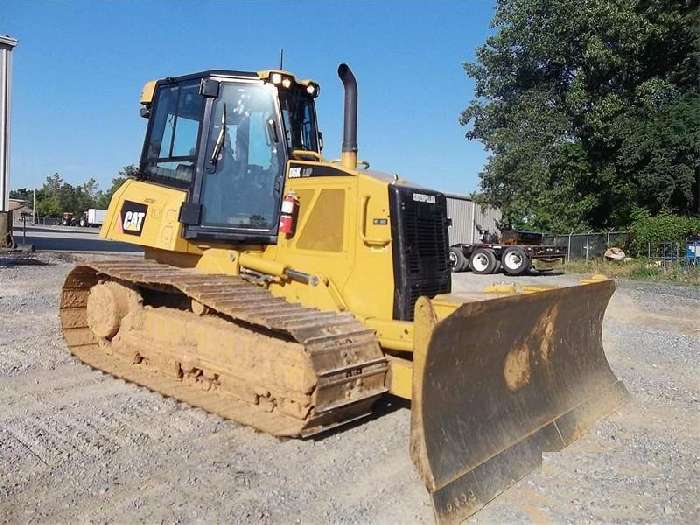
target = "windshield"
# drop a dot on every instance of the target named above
(244, 162)
(299, 120)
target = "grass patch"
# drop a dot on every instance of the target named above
(640, 269)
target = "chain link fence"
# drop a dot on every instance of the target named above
(593, 245)
(49, 221)
(589, 245)
(675, 253)
(43, 221)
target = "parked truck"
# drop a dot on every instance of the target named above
(515, 252)
(68, 219)
(93, 217)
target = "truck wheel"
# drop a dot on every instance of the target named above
(458, 262)
(483, 261)
(515, 261)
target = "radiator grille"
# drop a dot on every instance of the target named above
(425, 234)
(421, 254)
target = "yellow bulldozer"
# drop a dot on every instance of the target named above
(289, 293)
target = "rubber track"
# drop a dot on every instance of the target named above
(344, 354)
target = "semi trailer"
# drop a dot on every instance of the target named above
(93, 217)
(516, 253)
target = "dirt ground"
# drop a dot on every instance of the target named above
(79, 446)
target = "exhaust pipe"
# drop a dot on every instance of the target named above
(349, 153)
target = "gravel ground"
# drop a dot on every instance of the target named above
(79, 446)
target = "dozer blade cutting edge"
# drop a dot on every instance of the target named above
(497, 381)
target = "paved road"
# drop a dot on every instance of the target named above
(69, 239)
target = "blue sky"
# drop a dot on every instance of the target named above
(80, 66)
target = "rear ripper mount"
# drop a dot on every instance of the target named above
(223, 344)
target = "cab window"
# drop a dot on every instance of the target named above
(299, 119)
(171, 148)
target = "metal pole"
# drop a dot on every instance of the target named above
(473, 226)
(568, 248)
(34, 208)
(7, 44)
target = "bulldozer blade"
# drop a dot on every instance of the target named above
(497, 381)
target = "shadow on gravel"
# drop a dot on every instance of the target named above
(531, 273)
(385, 405)
(55, 229)
(75, 244)
(535, 273)
(21, 259)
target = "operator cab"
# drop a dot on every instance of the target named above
(226, 137)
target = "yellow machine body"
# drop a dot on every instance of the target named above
(495, 377)
(337, 239)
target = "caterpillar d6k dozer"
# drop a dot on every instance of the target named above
(289, 293)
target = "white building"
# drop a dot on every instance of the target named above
(468, 217)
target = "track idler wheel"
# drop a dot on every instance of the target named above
(107, 304)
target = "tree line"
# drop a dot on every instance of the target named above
(589, 110)
(56, 196)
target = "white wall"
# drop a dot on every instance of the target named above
(465, 215)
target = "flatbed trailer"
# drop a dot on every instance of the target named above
(514, 259)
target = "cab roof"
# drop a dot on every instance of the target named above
(149, 87)
(262, 75)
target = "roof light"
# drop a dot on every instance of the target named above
(311, 89)
(276, 78)
(286, 82)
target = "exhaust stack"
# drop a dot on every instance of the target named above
(349, 153)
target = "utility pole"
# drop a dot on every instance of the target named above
(7, 44)
(34, 208)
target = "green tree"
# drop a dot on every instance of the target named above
(589, 109)
(125, 173)
(89, 192)
(25, 194)
(57, 196)
(647, 230)
(48, 198)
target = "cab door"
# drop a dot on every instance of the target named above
(236, 195)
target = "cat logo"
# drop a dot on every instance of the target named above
(133, 217)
